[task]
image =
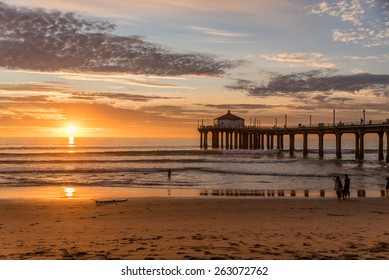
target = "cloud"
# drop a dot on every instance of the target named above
(142, 81)
(24, 99)
(368, 21)
(52, 41)
(307, 59)
(217, 32)
(220, 36)
(349, 11)
(116, 96)
(30, 88)
(241, 106)
(300, 84)
(57, 93)
(367, 37)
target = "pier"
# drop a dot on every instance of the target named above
(229, 132)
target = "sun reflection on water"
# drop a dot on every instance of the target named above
(69, 192)
(71, 140)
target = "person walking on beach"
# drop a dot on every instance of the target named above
(338, 186)
(346, 187)
(387, 186)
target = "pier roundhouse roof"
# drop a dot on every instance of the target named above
(230, 117)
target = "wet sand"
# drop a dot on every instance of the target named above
(195, 228)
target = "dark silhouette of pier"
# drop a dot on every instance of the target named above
(254, 137)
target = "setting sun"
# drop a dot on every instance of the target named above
(71, 129)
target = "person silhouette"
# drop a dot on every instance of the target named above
(387, 186)
(338, 186)
(346, 187)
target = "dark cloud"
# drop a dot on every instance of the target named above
(41, 40)
(166, 110)
(116, 96)
(77, 95)
(30, 88)
(24, 99)
(301, 84)
(240, 106)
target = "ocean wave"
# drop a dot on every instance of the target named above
(245, 152)
(121, 152)
(102, 161)
(145, 171)
(75, 153)
(268, 173)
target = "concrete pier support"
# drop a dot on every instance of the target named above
(236, 135)
(259, 141)
(255, 135)
(380, 146)
(387, 145)
(321, 145)
(338, 145)
(357, 145)
(361, 145)
(215, 139)
(251, 137)
(291, 143)
(245, 140)
(305, 144)
(280, 141)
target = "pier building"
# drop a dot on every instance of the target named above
(229, 121)
(230, 132)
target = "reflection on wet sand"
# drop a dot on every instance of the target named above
(69, 192)
(288, 193)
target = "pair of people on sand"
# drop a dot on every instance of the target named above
(342, 191)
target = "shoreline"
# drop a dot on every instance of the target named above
(195, 228)
(97, 192)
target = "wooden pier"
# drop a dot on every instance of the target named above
(260, 138)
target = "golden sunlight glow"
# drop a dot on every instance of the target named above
(69, 192)
(71, 129)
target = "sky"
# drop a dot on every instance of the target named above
(158, 68)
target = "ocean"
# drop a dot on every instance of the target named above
(144, 163)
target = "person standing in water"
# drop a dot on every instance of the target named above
(346, 188)
(387, 186)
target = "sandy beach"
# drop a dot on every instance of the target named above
(195, 228)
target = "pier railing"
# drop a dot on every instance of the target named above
(317, 125)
